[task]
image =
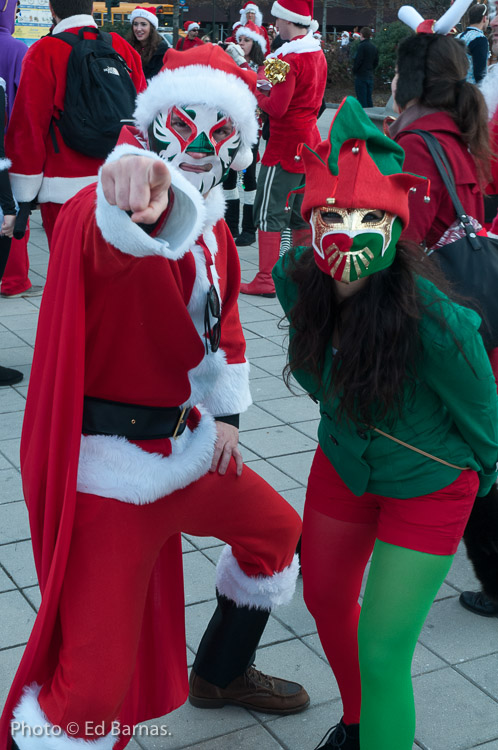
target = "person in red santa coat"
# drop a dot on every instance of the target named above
(298, 74)
(192, 39)
(130, 434)
(43, 166)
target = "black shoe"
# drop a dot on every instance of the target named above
(341, 737)
(246, 238)
(9, 376)
(478, 603)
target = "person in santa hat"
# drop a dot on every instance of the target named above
(298, 73)
(131, 435)
(250, 13)
(249, 51)
(409, 423)
(191, 29)
(43, 166)
(144, 38)
(231, 39)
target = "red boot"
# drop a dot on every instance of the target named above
(301, 237)
(269, 248)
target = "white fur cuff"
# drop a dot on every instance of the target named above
(183, 226)
(231, 394)
(5, 164)
(31, 729)
(260, 592)
(25, 186)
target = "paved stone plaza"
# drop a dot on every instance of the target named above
(456, 661)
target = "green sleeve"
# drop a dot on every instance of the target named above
(460, 373)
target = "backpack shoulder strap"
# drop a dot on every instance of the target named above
(73, 39)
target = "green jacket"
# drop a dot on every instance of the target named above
(452, 412)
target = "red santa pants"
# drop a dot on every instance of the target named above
(49, 213)
(15, 277)
(114, 547)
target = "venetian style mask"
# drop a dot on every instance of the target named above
(199, 140)
(352, 243)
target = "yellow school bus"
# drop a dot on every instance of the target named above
(122, 12)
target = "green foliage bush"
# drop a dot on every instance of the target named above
(387, 41)
(121, 28)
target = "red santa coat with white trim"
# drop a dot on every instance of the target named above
(149, 318)
(37, 170)
(293, 104)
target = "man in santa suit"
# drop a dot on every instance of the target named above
(131, 431)
(43, 166)
(192, 38)
(298, 75)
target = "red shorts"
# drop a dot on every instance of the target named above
(430, 523)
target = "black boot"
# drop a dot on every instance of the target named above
(248, 234)
(222, 672)
(481, 541)
(232, 216)
(478, 603)
(341, 737)
(8, 376)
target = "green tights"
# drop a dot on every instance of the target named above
(400, 589)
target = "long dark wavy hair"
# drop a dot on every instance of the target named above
(432, 68)
(151, 43)
(378, 329)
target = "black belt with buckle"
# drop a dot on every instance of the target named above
(102, 417)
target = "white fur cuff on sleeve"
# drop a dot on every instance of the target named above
(183, 226)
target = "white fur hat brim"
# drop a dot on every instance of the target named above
(258, 38)
(142, 13)
(279, 11)
(200, 84)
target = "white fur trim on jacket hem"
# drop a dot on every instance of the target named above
(5, 164)
(231, 394)
(183, 226)
(61, 189)
(279, 11)
(25, 186)
(258, 592)
(28, 715)
(110, 466)
(298, 46)
(199, 84)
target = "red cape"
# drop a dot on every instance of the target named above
(50, 447)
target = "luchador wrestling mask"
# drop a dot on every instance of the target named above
(352, 243)
(201, 141)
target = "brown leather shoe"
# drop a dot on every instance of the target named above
(252, 690)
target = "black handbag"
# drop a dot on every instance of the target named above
(471, 262)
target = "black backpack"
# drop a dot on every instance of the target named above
(99, 96)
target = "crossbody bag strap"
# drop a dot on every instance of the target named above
(444, 168)
(418, 450)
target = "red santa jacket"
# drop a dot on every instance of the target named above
(293, 104)
(185, 43)
(37, 170)
(138, 339)
(429, 221)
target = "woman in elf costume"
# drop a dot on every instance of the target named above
(409, 423)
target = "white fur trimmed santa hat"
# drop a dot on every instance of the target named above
(204, 75)
(189, 25)
(148, 13)
(252, 7)
(295, 11)
(250, 30)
